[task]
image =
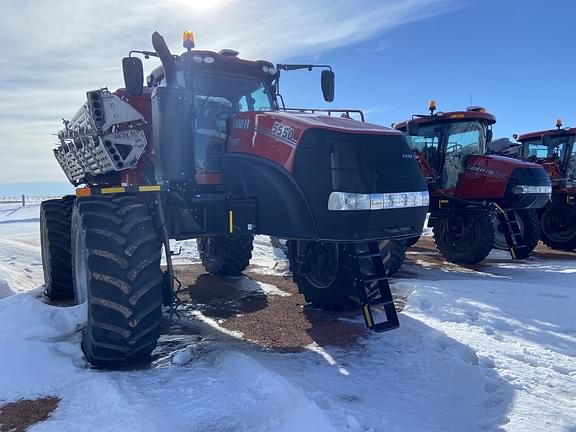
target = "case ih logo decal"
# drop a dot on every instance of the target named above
(282, 131)
(241, 123)
(485, 171)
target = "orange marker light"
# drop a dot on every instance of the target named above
(83, 192)
(432, 105)
(188, 39)
(558, 123)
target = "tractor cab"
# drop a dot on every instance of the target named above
(206, 92)
(478, 200)
(443, 142)
(555, 151)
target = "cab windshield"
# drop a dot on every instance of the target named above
(216, 98)
(535, 150)
(446, 146)
(559, 149)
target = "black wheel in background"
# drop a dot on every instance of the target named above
(225, 255)
(55, 218)
(465, 236)
(558, 227)
(529, 226)
(326, 278)
(393, 255)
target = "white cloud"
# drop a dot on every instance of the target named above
(382, 45)
(54, 51)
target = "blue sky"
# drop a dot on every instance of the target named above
(516, 58)
(390, 57)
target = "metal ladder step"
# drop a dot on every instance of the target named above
(374, 283)
(511, 230)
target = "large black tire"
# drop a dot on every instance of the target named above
(55, 217)
(530, 227)
(558, 227)
(225, 255)
(116, 260)
(464, 237)
(328, 282)
(393, 255)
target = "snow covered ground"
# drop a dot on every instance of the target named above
(486, 348)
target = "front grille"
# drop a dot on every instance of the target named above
(329, 161)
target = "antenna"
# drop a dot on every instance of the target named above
(470, 96)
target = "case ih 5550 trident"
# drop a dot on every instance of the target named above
(208, 151)
(555, 151)
(477, 200)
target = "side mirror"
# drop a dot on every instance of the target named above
(412, 128)
(133, 75)
(328, 82)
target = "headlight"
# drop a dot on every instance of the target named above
(530, 189)
(378, 201)
(348, 201)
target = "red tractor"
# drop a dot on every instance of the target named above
(207, 150)
(555, 151)
(477, 200)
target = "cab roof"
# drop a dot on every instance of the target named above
(444, 117)
(225, 60)
(550, 132)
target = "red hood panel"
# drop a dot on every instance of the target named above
(275, 135)
(486, 177)
(335, 123)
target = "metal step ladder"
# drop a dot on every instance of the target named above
(513, 234)
(371, 281)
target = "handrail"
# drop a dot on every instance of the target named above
(346, 112)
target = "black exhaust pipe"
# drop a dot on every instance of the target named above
(166, 58)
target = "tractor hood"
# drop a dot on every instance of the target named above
(511, 182)
(341, 124)
(288, 158)
(276, 134)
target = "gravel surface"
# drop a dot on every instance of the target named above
(279, 322)
(20, 415)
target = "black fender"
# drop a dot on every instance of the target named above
(282, 208)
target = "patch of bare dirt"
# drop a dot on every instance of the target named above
(20, 415)
(280, 323)
(426, 245)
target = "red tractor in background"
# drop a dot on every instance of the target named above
(555, 151)
(477, 200)
(208, 151)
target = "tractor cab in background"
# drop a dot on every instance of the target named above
(555, 151)
(477, 200)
